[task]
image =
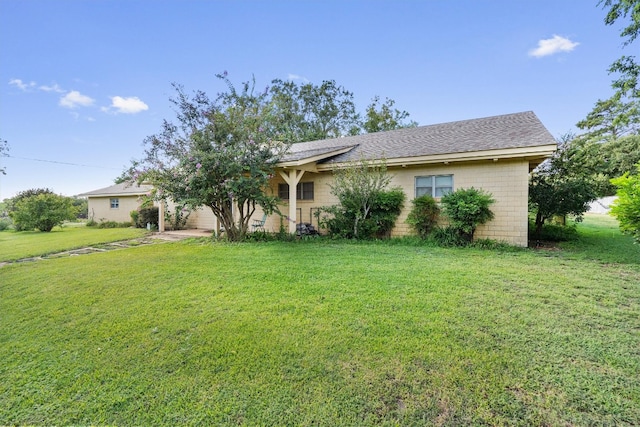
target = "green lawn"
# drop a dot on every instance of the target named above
(601, 240)
(25, 244)
(322, 333)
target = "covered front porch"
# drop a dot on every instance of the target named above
(300, 186)
(292, 169)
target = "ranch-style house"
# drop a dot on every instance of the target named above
(495, 154)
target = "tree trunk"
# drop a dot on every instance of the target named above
(539, 223)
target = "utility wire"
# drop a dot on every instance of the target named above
(61, 163)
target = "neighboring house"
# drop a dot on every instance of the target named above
(115, 203)
(495, 154)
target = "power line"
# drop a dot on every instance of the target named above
(61, 163)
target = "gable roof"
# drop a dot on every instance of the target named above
(123, 189)
(521, 131)
(319, 153)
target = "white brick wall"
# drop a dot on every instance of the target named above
(100, 208)
(507, 181)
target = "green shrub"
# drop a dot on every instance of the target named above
(378, 222)
(336, 220)
(81, 207)
(386, 209)
(135, 215)
(448, 236)
(424, 215)
(366, 208)
(494, 245)
(5, 224)
(626, 208)
(553, 232)
(178, 219)
(113, 224)
(107, 224)
(42, 211)
(12, 203)
(148, 215)
(466, 209)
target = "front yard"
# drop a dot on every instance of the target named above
(322, 333)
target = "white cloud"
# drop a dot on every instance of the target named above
(551, 46)
(54, 88)
(297, 77)
(27, 86)
(75, 99)
(22, 85)
(130, 105)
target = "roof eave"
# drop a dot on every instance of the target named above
(116, 194)
(136, 190)
(529, 153)
(310, 163)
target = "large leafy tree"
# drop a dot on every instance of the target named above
(381, 117)
(81, 206)
(627, 11)
(611, 144)
(41, 209)
(621, 113)
(611, 119)
(308, 112)
(12, 202)
(602, 161)
(561, 186)
(220, 154)
(627, 207)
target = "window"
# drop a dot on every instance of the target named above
(434, 185)
(304, 191)
(115, 203)
(307, 191)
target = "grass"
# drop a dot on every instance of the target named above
(25, 244)
(601, 240)
(310, 333)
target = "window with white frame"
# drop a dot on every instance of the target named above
(304, 191)
(434, 185)
(115, 203)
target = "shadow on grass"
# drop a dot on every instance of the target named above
(600, 240)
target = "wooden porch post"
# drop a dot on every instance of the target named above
(292, 177)
(161, 216)
(216, 226)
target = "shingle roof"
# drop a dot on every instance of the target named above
(518, 130)
(299, 155)
(124, 189)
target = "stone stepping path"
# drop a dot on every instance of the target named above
(102, 247)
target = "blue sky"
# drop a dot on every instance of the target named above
(83, 82)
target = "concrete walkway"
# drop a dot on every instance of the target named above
(182, 234)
